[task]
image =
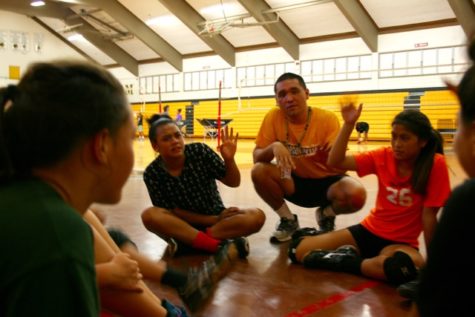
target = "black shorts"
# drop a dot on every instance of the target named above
(362, 127)
(369, 244)
(119, 237)
(312, 192)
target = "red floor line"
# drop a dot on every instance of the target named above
(329, 301)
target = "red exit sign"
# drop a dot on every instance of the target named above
(421, 44)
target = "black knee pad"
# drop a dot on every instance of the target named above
(399, 268)
(119, 237)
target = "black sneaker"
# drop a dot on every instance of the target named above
(336, 260)
(234, 248)
(326, 223)
(306, 232)
(409, 290)
(284, 230)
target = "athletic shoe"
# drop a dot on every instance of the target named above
(176, 248)
(326, 223)
(172, 247)
(285, 229)
(306, 232)
(201, 280)
(199, 285)
(409, 290)
(172, 310)
(341, 259)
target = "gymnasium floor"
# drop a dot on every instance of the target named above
(266, 284)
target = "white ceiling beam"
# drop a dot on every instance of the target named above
(142, 31)
(279, 30)
(361, 21)
(192, 19)
(62, 11)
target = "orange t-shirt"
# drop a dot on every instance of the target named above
(322, 129)
(397, 215)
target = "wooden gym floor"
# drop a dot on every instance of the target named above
(266, 284)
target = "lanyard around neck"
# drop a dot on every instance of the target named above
(307, 122)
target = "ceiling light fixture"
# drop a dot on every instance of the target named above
(37, 3)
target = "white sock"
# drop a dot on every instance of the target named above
(284, 212)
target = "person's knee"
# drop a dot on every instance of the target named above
(399, 268)
(150, 217)
(259, 218)
(258, 173)
(357, 196)
(347, 195)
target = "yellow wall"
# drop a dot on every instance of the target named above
(379, 110)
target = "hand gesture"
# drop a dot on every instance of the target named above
(282, 157)
(229, 143)
(229, 212)
(125, 273)
(349, 112)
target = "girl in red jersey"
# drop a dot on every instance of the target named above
(413, 184)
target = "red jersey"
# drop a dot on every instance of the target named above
(397, 215)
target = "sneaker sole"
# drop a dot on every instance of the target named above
(276, 240)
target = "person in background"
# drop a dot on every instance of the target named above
(442, 289)
(187, 208)
(413, 184)
(140, 126)
(362, 128)
(179, 117)
(166, 110)
(62, 129)
(298, 138)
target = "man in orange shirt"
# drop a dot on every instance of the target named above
(298, 138)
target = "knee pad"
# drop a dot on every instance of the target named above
(399, 268)
(297, 237)
(293, 248)
(119, 237)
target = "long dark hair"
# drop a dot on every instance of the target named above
(54, 108)
(156, 121)
(418, 123)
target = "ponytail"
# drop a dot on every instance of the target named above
(425, 161)
(419, 124)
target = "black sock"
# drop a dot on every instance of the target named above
(174, 278)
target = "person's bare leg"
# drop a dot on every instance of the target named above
(243, 223)
(150, 269)
(124, 303)
(269, 185)
(165, 224)
(326, 241)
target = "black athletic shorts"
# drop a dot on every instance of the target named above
(370, 245)
(312, 192)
